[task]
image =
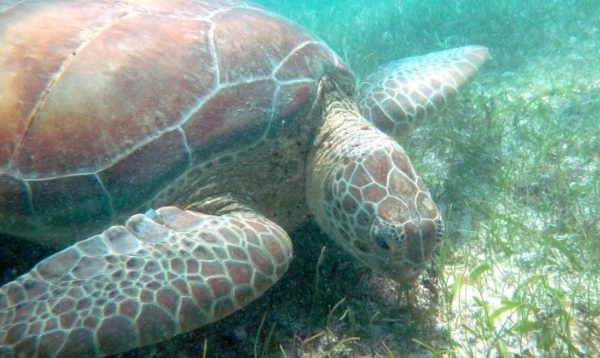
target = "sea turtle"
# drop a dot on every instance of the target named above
(173, 144)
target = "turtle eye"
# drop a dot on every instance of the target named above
(402, 238)
(380, 233)
(380, 241)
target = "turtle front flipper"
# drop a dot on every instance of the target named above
(414, 89)
(163, 273)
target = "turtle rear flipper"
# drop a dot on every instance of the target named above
(163, 273)
(414, 89)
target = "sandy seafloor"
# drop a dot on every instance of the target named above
(514, 164)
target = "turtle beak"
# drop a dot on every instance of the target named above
(403, 249)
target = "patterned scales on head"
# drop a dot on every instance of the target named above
(228, 127)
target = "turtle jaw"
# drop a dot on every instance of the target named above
(403, 248)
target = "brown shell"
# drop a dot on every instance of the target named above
(103, 103)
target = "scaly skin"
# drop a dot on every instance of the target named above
(171, 271)
(406, 92)
(364, 192)
(133, 285)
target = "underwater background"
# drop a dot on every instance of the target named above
(513, 162)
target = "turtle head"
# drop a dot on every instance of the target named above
(379, 209)
(364, 192)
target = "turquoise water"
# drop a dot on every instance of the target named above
(514, 165)
(386, 30)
